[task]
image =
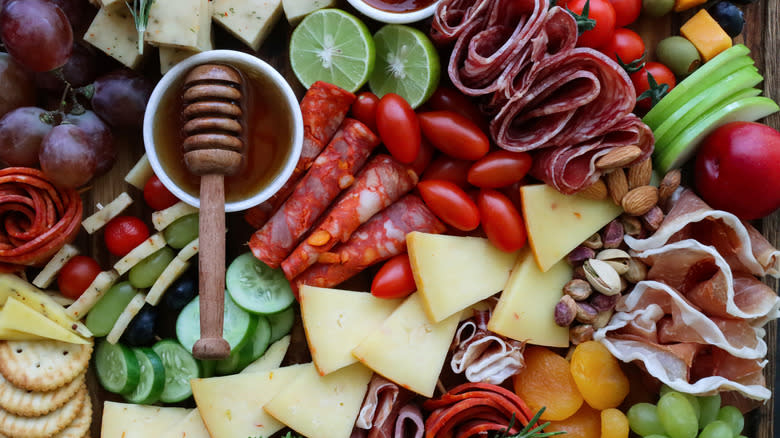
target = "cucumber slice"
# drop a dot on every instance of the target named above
(256, 287)
(180, 368)
(281, 323)
(152, 381)
(258, 343)
(232, 364)
(117, 367)
(208, 368)
(237, 325)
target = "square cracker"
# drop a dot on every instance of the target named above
(42, 365)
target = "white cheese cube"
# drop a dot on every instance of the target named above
(184, 24)
(113, 32)
(295, 10)
(248, 20)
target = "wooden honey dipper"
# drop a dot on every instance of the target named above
(213, 147)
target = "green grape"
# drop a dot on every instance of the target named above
(677, 416)
(733, 417)
(655, 435)
(104, 314)
(717, 429)
(145, 273)
(709, 409)
(182, 231)
(691, 398)
(664, 390)
(643, 420)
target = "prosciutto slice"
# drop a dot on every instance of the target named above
(386, 412)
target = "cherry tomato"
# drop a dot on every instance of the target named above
(157, 195)
(450, 99)
(449, 169)
(499, 169)
(364, 109)
(661, 74)
(501, 221)
(76, 276)
(123, 233)
(626, 44)
(604, 14)
(398, 127)
(454, 135)
(394, 279)
(450, 204)
(423, 158)
(626, 11)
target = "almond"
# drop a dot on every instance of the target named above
(596, 191)
(617, 183)
(639, 174)
(618, 157)
(640, 200)
(669, 184)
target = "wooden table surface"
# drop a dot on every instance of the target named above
(761, 34)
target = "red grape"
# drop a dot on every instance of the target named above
(120, 98)
(79, 70)
(21, 133)
(79, 12)
(100, 139)
(16, 87)
(36, 33)
(66, 156)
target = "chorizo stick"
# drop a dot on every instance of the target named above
(323, 108)
(380, 183)
(332, 171)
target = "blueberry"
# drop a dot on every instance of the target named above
(181, 292)
(141, 330)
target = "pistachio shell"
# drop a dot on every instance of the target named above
(617, 258)
(603, 277)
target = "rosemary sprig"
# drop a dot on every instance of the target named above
(528, 431)
(140, 12)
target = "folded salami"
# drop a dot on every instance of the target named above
(332, 172)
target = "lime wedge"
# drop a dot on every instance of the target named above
(333, 46)
(406, 64)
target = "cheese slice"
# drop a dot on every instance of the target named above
(189, 251)
(140, 173)
(171, 273)
(322, 406)
(248, 20)
(408, 348)
(113, 4)
(18, 317)
(94, 292)
(455, 272)
(335, 321)
(133, 307)
(15, 335)
(190, 427)
(272, 357)
(53, 267)
(558, 223)
(185, 24)
(113, 32)
(149, 246)
(99, 219)
(526, 308)
(170, 56)
(162, 218)
(121, 420)
(231, 406)
(59, 298)
(295, 10)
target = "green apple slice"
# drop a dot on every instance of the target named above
(739, 109)
(697, 105)
(704, 77)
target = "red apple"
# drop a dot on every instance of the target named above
(738, 169)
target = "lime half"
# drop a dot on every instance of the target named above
(406, 64)
(333, 46)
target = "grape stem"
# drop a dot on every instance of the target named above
(140, 12)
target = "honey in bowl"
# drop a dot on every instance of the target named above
(268, 137)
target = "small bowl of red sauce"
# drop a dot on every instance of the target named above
(396, 11)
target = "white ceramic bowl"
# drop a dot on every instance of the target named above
(248, 64)
(393, 17)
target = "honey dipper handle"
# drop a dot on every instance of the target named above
(211, 345)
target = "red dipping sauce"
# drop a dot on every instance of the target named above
(399, 5)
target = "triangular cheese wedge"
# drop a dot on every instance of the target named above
(336, 321)
(525, 310)
(16, 316)
(322, 406)
(232, 406)
(190, 427)
(455, 272)
(122, 420)
(272, 357)
(13, 335)
(558, 223)
(408, 348)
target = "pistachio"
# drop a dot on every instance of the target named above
(565, 311)
(602, 276)
(637, 271)
(579, 273)
(581, 333)
(653, 218)
(579, 255)
(602, 319)
(593, 242)
(632, 226)
(612, 236)
(623, 285)
(586, 313)
(617, 258)
(578, 289)
(602, 302)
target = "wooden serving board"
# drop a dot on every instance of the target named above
(761, 34)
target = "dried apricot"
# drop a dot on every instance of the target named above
(585, 423)
(598, 376)
(614, 424)
(546, 381)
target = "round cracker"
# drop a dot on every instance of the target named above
(45, 426)
(43, 365)
(80, 425)
(34, 404)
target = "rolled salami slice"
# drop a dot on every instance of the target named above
(380, 183)
(332, 171)
(382, 237)
(323, 108)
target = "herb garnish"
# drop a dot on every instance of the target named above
(140, 12)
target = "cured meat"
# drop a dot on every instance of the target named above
(332, 171)
(37, 218)
(323, 108)
(409, 423)
(380, 183)
(382, 405)
(382, 237)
